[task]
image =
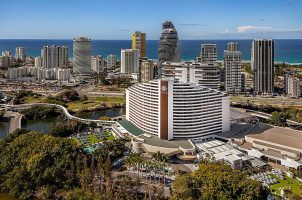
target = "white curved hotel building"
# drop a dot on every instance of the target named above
(177, 110)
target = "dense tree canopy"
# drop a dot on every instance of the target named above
(32, 163)
(217, 181)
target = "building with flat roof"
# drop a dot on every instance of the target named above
(20, 54)
(129, 61)
(172, 109)
(204, 74)
(139, 42)
(54, 56)
(232, 66)
(263, 66)
(282, 146)
(293, 87)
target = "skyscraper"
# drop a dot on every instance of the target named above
(208, 68)
(38, 62)
(168, 47)
(97, 64)
(232, 46)
(129, 61)
(146, 70)
(111, 61)
(232, 66)
(20, 54)
(263, 66)
(139, 42)
(54, 56)
(82, 57)
(293, 87)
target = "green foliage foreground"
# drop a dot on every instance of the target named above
(217, 181)
(37, 166)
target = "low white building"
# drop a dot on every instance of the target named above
(281, 146)
(39, 73)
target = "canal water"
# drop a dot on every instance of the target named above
(4, 126)
(44, 125)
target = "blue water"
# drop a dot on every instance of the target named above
(285, 50)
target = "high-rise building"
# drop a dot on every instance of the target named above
(82, 57)
(139, 42)
(208, 53)
(38, 61)
(175, 110)
(20, 54)
(193, 72)
(6, 60)
(263, 66)
(111, 61)
(232, 66)
(97, 64)
(6, 53)
(209, 69)
(232, 46)
(168, 47)
(146, 70)
(293, 87)
(54, 56)
(129, 61)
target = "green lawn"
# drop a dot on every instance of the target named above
(288, 182)
(96, 101)
(93, 139)
(31, 99)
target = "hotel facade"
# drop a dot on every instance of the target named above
(171, 109)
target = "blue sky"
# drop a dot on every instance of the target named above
(117, 19)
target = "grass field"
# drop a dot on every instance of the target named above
(96, 101)
(292, 183)
(31, 99)
(93, 139)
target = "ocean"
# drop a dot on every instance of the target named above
(289, 51)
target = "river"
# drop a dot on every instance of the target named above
(43, 125)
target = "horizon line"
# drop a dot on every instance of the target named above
(146, 40)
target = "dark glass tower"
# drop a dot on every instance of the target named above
(168, 47)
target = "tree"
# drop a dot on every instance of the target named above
(84, 98)
(279, 118)
(217, 181)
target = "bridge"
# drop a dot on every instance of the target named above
(63, 109)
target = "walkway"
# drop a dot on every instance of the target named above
(65, 111)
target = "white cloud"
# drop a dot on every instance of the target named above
(250, 29)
